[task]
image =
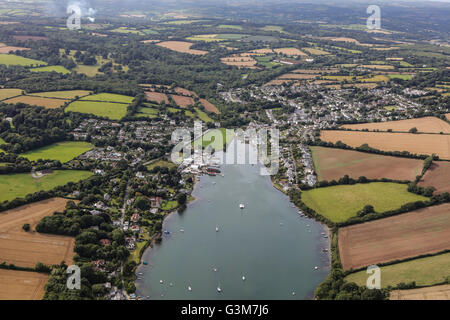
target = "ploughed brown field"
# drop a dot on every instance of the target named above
(430, 293)
(437, 176)
(22, 285)
(448, 116)
(48, 103)
(404, 236)
(181, 46)
(209, 106)
(333, 164)
(386, 141)
(26, 38)
(298, 76)
(426, 125)
(182, 101)
(25, 249)
(8, 49)
(156, 97)
(185, 92)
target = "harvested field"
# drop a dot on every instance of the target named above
(9, 93)
(377, 66)
(32, 38)
(432, 293)
(38, 101)
(427, 271)
(437, 176)
(413, 143)
(298, 76)
(108, 97)
(156, 97)
(448, 116)
(426, 125)
(8, 49)
(22, 285)
(424, 231)
(293, 52)
(185, 92)
(25, 249)
(182, 101)
(333, 164)
(239, 61)
(181, 46)
(316, 52)
(209, 106)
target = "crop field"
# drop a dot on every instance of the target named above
(156, 97)
(333, 164)
(424, 231)
(161, 164)
(32, 38)
(316, 52)
(426, 125)
(22, 285)
(447, 116)
(210, 139)
(185, 92)
(209, 106)
(181, 46)
(438, 176)
(413, 143)
(293, 52)
(13, 60)
(203, 116)
(400, 76)
(377, 66)
(240, 61)
(298, 76)
(58, 69)
(147, 112)
(424, 271)
(38, 101)
(431, 293)
(108, 97)
(9, 93)
(339, 203)
(21, 184)
(62, 151)
(111, 110)
(70, 94)
(182, 101)
(25, 249)
(8, 49)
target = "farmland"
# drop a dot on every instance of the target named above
(21, 184)
(425, 125)
(38, 101)
(22, 285)
(424, 271)
(438, 176)
(13, 60)
(332, 164)
(108, 97)
(420, 232)
(25, 249)
(9, 93)
(111, 110)
(293, 52)
(61, 151)
(209, 139)
(413, 143)
(181, 46)
(58, 69)
(339, 203)
(70, 94)
(182, 101)
(156, 97)
(431, 293)
(209, 106)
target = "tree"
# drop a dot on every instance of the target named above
(26, 227)
(413, 130)
(181, 198)
(366, 210)
(142, 203)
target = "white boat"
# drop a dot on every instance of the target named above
(241, 206)
(215, 269)
(316, 268)
(217, 229)
(243, 278)
(160, 281)
(219, 289)
(293, 293)
(189, 288)
(171, 284)
(181, 230)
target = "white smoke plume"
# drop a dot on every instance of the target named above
(58, 8)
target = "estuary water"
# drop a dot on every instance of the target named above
(278, 253)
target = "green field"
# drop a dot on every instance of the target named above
(424, 271)
(62, 151)
(108, 97)
(161, 164)
(147, 112)
(339, 203)
(400, 76)
(9, 93)
(209, 139)
(13, 60)
(58, 69)
(70, 94)
(203, 116)
(229, 26)
(19, 185)
(111, 110)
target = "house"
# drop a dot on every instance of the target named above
(135, 228)
(98, 264)
(156, 202)
(135, 218)
(105, 242)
